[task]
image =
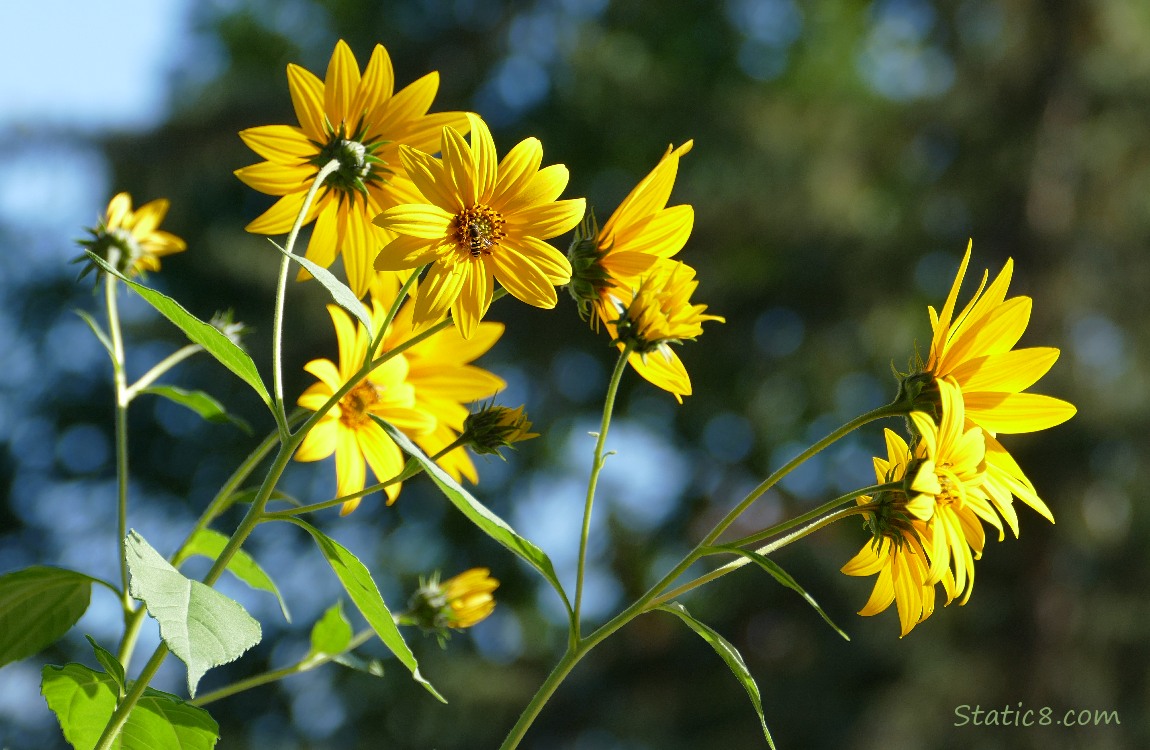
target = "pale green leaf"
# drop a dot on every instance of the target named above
(38, 605)
(781, 576)
(373, 667)
(210, 543)
(200, 625)
(332, 634)
(110, 664)
(358, 583)
(96, 329)
(201, 403)
(476, 512)
(339, 291)
(84, 700)
(730, 655)
(229, 354)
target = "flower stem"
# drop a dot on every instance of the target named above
(759, 536)
(128, 702)
(160, 368)
(122, 399)
(596, 466)
(281, 291)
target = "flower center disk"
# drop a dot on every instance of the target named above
(478, 230)
(355, 407)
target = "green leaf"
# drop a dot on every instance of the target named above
(358, 583)
(199, 402)
(476, 512)
(729, 654)
(229, 354)
(110, 664)
(210, 543)
(373, 667)
(96, 329)
(779, 575)
(84, 700)
(200, 625)
(339, 291)
(332, 634)
(38, 605)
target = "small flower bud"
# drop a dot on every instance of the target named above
(495, 427)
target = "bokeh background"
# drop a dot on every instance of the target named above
(844, 153)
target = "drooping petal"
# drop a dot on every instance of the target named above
(473, 300)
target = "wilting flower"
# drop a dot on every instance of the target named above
(481, 221)
(656, 313)
(457, 603)
(359, 121)
(347, 429)
(440, 371)
(494, 427)
(642, 230)
(130, 240)
(975, 347)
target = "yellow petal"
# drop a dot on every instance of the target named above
(319, 442)
(486, 158)
(668, 374)
(421, 220)
(407, 104)
(324, 242)
(307, 97)
(545, 186)
(276, 179)
(1012, 413)
(516, 170)
(282, 215)
(438, 291)
(543, 256)
(340, 86)
(649, 196)
(361, 243)
(426, 173)
(548, 219)
(119, 208)
(406, 252)
(350, 472)
(663, 235)
(473, 300)
(375, 87)
(997, 332)
(426, 132)
(523, 279)
(867, 562)
(281, 144)
(459, 166)
(1011, 372)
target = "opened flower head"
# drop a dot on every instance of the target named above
(131, 241)
(902, 569)
(356, 119)
(347, 429)
(656, 313)
(641, 231)
(975, 347)
(481, 220)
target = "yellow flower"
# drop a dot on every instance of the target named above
(469, 598)
(359, 121)
(656, 313)
(348, 429)
(130, 240)
(903, 569)
(976, 349)
(641, 231)
(482, 221)
(439, 370)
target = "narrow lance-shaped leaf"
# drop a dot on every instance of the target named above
(200, 625)
(229, 354)
(38, 605)
(201, 403)
(110, 664)
(98, 331)
(358, 583)
(339, 291)
(730, 655)
(479, 514)
(84, 700)
(781, 576)
(210, 543)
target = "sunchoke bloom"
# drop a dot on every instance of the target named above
(459, 602)
(481, 220)
(642, 230)
(656, 313)
(347, 429)
(131, 241)
(440, 371)
(975, 347)
(359, 121)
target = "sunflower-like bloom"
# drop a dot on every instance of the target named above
(975, 347)
(358, 120)
(642, 230)
(131, 241)
(459, 602)
(655, 314)
(903, 570)
(482, 221)
(440, 371)
(347, 429)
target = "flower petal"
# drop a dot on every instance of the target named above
(375, 87)
(1016, 412)
(406, 252)
(319, 442)
(543, 256)
(340, 86)
(282, 144)
(307, 97)
(276, 179)
(486, 159)
(516, 170)
(545, 186)
(350, 473)
(1011, 372)
(438, 291)
(473, 300)
(548, 219)
(427, 173)
(523, 279)
(282, 215)
(421, 220)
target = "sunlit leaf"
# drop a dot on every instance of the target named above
(358, 583)
(730, 655)
(84, 700)
(332, 634)
(782, 577)
(479, 514)
(38, 605)
(339, 291)
(200, 625)
(199, 402)
(110, 664)
(210, 543)
(227, 352)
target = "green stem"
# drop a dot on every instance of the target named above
(596, 466)
(160, 368)
(546, 690)
(890, 410)
(264, 678)
(121, 384)
(377, 337)
(759, 536)
(120, 715)
(281, 293)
